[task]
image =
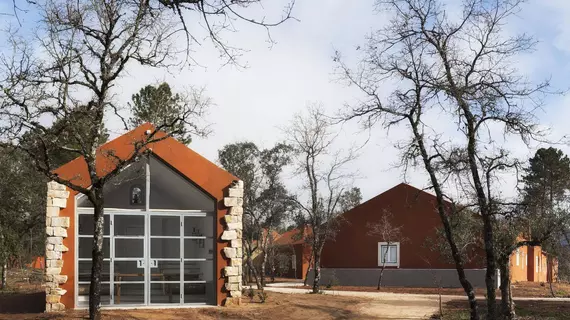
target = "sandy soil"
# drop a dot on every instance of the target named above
(520, 289)
(279, 306)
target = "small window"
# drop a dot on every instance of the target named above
(390, 253)
(518, 256)
(137, 195)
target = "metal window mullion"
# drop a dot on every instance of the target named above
(147, 244)
(181, 280)
(112, 257)
(165, 237)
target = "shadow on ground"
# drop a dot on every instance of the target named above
(23, 302)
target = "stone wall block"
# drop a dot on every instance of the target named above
(231, 271)
(233, 233)
(234, 226)
(53, 298)
(236, 211)
(54, 240)
(60, 248)
(54, 271)
(60, 222)
(53, 255)
(229, 252)
(58, 193)
(231, 202)
(60, 279)
(229, 235)
(56, 229)
(57, 307)
(54, 263)
(232, 287)
(52, 211)
(52, 185)
(235, 192)
(236, 243)
(60, 232)
(59, 202)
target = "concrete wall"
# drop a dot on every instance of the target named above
(426, 278)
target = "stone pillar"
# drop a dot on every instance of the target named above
(56, 229)
(233, 234)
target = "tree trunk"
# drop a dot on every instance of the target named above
(507, 305)
(383, 267)
(551, 289)
(254, 271)
(442, 208)
(317, 268)
(97, 258)
(306, 281)
(263, 264)
(490, 280)
(3, 283)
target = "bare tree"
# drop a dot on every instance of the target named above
(387, 232)
(267, 202)
(324, 176)
(74, 59)
(461, 66)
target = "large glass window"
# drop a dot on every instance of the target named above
(170, 190)
(159, 239)
(126, 190)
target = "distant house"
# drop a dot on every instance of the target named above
(353, 258)
(293, 247)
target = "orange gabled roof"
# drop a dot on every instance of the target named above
(292, 237)
(193, 166)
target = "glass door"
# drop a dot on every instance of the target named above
(198, 249)
(129, 259)
(165, 261)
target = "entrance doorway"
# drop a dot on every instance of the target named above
(150, 258)
(158, 246)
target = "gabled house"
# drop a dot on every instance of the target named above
(354, 257)
(172, 230)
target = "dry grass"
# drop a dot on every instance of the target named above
(278, 306)
(525, 310)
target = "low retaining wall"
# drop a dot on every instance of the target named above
(426, 278)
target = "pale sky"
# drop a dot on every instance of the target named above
(254, 103)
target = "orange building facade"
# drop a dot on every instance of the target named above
(532, 264)
(414, 260)
(172, 229)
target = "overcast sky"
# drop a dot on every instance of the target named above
(253, 103)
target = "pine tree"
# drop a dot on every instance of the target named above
(162, 107)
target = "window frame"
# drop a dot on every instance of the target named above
(389, 264)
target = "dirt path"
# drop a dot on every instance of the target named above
(385, 305)
(413, 308)
(382, 305)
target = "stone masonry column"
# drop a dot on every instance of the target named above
(233, 234)
(56, 230)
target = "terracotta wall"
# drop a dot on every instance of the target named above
(538, 270)
(413, 210)
(69, 257)
(519, 266)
